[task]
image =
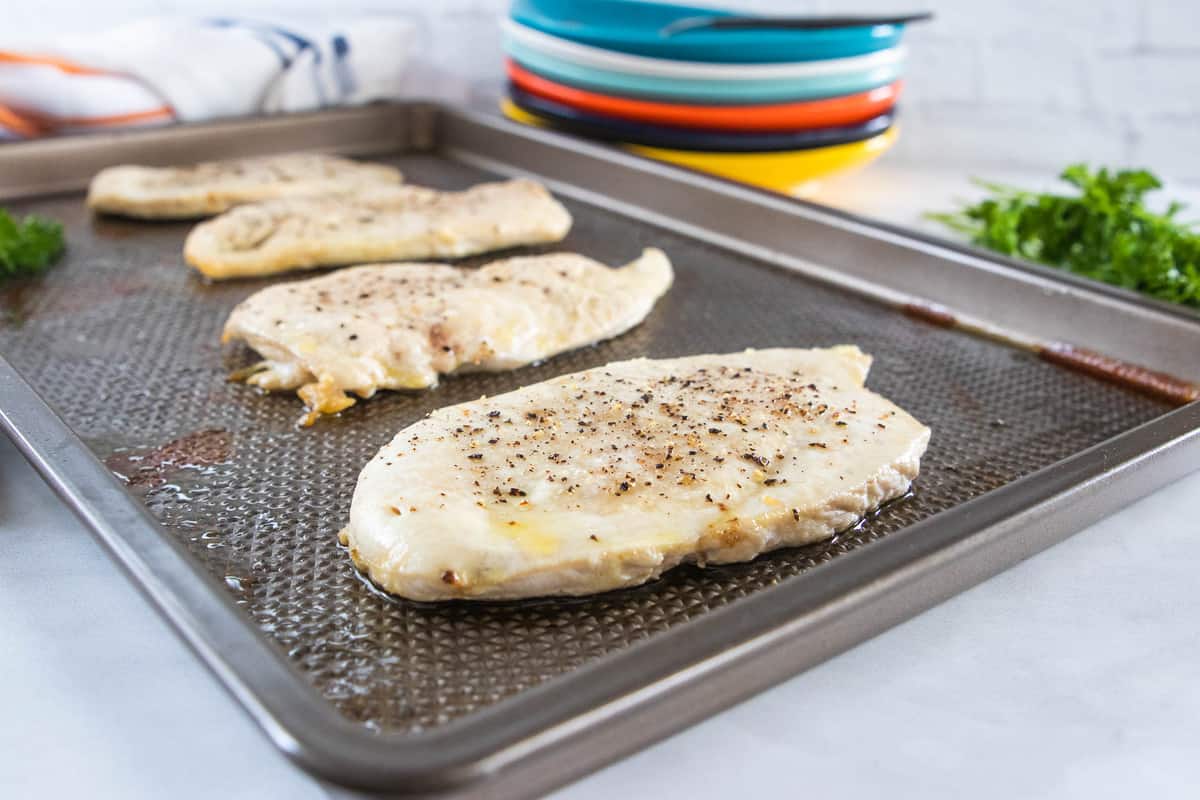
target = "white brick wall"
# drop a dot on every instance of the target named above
(1169, 24)
(1024, 75)
(990, 83)
(1155, 83)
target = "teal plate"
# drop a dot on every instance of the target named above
(765, 90)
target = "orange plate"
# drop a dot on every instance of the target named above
(829, 112)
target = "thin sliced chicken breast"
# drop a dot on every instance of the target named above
(394, 223)
(398, 326)
(202, 190)
(609, 477)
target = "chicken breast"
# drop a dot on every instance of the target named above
(387, 224)
(211, 187)
(398, 326)
(609, 477)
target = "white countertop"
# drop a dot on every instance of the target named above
(1072, 675)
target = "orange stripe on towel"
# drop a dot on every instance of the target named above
(18, 124)
(61, 64)
(162, 112)
(31, 124)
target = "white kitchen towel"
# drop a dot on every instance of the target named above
(166, 69)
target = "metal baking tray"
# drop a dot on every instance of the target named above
(113, 385)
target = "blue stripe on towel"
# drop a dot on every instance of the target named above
(341, 65)
(263, 30)
(285, 60)
(303, 44)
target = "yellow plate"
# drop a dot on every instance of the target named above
(790, 171)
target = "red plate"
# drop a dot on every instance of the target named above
(833, 111)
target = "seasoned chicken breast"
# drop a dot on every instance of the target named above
(398, 326)
(385, 224)
(609, 477)
(211, 187)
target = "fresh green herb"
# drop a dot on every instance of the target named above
(29, 246)
(1105, 232)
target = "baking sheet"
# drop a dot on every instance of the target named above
(121, 339)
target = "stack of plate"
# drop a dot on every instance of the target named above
(774, 106)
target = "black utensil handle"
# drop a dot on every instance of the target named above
(793, 23)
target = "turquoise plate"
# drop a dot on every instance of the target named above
(702, 91)
(584, 55)
(631, 26)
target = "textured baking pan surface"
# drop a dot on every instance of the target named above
(122, 341)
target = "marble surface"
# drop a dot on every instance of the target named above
(1072, 675)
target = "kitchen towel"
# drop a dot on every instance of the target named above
(162, 70)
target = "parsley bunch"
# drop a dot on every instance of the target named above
(29, 246)
(1104, 232)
